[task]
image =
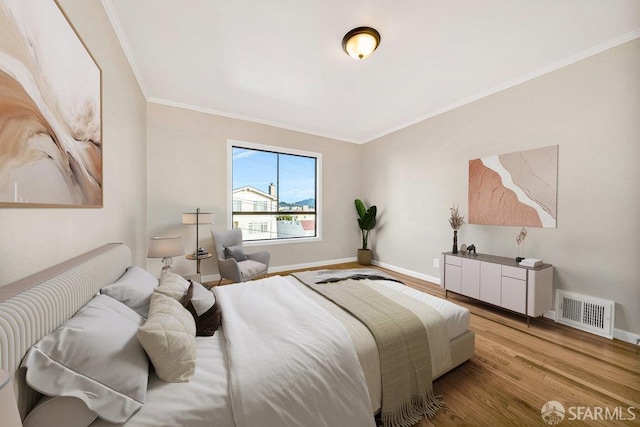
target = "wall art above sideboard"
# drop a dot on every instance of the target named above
(50, 104)
(518, 189)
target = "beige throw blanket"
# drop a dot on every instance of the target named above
(403, 346)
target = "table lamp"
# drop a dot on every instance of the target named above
(196, 218)
(165, 248)
(9, 415)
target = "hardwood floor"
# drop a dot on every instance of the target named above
(517, 369)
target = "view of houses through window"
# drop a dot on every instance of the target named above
(274, 194)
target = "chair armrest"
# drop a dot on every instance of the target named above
(228, 269)
(263, 257)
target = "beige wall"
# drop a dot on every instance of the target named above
(33, 239)
(591, 109)
(165, 161)
(187, 168)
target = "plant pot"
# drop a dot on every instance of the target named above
(364, 256)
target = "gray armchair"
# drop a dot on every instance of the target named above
(233, 263)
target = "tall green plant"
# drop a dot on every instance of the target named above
(366, 221)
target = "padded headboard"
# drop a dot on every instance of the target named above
(33, 307)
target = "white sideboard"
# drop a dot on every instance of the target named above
(499, 281)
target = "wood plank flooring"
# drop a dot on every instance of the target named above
(517, 369)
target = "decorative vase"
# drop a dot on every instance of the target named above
(455, 242)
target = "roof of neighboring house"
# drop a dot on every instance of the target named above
(254, 190)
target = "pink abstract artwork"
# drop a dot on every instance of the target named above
(518, 189)
(50, 115)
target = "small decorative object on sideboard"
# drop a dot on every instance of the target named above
(531, 262)
(471, 249)
(456, 220)
(463, 249)
(520, 241)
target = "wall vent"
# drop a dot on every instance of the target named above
(587, 313)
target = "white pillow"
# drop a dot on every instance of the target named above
(59, 411)
(134, 289)
(169, 338)
(174, 286)
(95, 357)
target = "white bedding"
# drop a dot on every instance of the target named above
(456, 318)
(202, 402)
(365, 343)
(205, 401)
(290, 362)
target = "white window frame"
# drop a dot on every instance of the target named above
(283, 150)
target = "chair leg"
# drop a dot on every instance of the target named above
(219, 281)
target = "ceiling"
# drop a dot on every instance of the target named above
(281, 62)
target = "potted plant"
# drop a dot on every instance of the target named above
(366, 222)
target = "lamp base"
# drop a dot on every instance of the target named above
(167, 261)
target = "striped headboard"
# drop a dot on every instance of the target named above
(33, 307)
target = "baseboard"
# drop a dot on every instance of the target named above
(211, 278)
(406, 272)
(618, 334)
(627, 336)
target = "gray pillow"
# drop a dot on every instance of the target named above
(235, 252)
(133, 289)
(95, 357)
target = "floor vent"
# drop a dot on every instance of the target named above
(587, 313)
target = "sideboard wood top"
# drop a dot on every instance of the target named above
(511, 262)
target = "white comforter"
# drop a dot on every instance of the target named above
(290, 362)
(206, 400)
(202, 402)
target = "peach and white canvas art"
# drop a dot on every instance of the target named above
(50, 115)
(519, 189)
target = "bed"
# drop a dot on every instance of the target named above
(34, 307)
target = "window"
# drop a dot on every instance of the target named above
(260, 205)
(275, 192)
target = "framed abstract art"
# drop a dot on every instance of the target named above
(50, 110)
(518, 189)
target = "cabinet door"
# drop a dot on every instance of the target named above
(471, 278)
(491, 283)
(452, 278)
(540, 291)
(514, 294)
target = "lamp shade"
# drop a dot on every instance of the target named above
(9, 415)
(193, 218)
(165, 247)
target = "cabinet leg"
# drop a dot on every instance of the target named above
(528, 319)
(446, 294)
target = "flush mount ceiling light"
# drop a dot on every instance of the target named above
(360, 42)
